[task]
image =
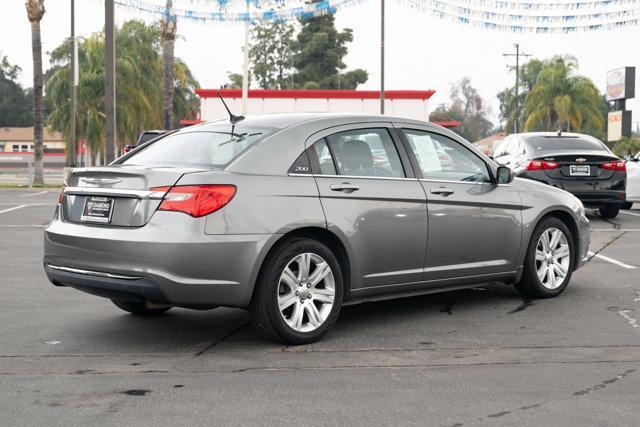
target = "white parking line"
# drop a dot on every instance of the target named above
(629, 213)
(32, 194)
(611, 260)
(619, 230)
(14, 208)
(21, 206)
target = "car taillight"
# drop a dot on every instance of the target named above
(614, 166)
(195, 200)
(535, 165)
(64, 184)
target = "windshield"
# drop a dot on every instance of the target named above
(543, 143)
(201, 148)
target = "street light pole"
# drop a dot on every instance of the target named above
(381, 56)
(73, 82)
(245, 67)
(110, 81)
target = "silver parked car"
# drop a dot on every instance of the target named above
(295, 215)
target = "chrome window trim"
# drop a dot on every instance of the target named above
(91, 272)
(392, 178)
(455, 182)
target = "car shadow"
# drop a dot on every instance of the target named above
(181, 331)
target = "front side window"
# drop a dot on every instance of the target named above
(213, 147)
(441, 158)
(365, 152)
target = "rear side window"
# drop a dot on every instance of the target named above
(211, 148)
(365, 152)
(325, 160)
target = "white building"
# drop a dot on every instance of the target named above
(411, 104)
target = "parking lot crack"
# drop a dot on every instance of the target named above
(606, 245)
(225, 337)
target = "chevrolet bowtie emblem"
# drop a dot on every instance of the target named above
(581, 159)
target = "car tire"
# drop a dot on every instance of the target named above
(627, 205)
(609, 211)
(545, 259)
(138, 308)
(290, 306)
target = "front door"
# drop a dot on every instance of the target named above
(371, 201)
(474, 225)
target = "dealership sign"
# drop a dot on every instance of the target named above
(619, 125)
(621, 83)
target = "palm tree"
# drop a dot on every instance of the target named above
(560, 100)
(168, 26)
(35, 11)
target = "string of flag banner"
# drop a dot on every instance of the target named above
(515, 17)
(533, 24)
(537, 6)
(256, 13)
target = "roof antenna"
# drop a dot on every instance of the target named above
(232, 118)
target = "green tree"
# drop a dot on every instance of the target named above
(318, 59)
(139, 86)
(561, 100)
(271, 54)
(35, 12)
(627, 147)
(15, 102)
(467, 107)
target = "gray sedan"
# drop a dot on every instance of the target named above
(293, 216)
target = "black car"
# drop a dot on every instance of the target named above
(145, 136)
(579, 164)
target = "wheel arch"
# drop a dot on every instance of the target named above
(568, 219)
(323, 235)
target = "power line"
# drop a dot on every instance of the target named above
(517, 55)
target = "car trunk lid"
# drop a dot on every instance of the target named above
(578, 165)
(121, 192)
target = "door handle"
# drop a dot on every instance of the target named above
(345, 187)
(443, 191)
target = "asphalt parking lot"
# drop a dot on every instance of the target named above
(482, 356)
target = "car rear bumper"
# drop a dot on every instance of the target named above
(597, 199)
(166, 261)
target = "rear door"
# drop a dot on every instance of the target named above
(474, 225)
(371, 197)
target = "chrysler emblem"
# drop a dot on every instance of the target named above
(581, 159)
(100, 181)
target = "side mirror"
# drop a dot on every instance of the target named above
(504, 175)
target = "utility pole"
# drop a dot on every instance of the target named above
(381, 56)
(517, 55)
(245, 65)
(72, 88)
(110, 81)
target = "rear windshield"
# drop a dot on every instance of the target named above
(213, 147)
(543, 143)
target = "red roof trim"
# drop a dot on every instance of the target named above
(22, 153)
(449, 124)
(189, 122)
(317, 94)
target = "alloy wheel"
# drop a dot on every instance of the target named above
(553, 256)
(306, 292)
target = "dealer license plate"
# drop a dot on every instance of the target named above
(97, 209)
(580, 170)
